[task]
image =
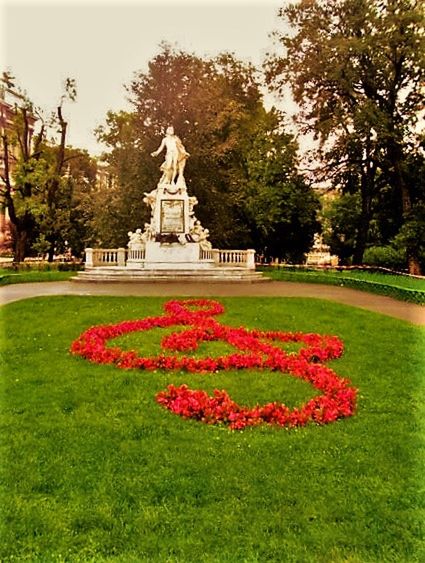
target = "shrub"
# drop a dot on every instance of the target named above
(385, 256)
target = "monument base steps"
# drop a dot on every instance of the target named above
(219, 275)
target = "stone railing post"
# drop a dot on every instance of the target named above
(89, 257)
(121, 257)
(216, 256)
(250, 259)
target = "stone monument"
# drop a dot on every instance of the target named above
(320, 254)
(173, 245)
(174, 235)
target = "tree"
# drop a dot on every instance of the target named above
(411, 236)
(342, 222)
(131, 173)
(356, 69)
(75, 203)
(282, 206)
(212, 104)
(216, 107)
(31, 189)
(22, 194)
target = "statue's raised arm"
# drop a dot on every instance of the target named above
(175, 158)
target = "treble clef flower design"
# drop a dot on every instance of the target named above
(254, 349)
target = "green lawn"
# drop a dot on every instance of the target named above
(9, 276)
(398, 280)
(400, 287)
(389, 279)
(93, 469)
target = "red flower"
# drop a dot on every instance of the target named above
(258, 352)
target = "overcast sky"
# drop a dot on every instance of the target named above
(102, 43)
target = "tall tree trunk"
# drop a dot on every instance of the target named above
(22, 234)
(21, 227)
(395, 155)
(361, 240)
(413, 263)
(363, 230)
(21, 237)
(367, 187)
(51, 253)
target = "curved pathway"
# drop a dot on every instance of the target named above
(377, 303)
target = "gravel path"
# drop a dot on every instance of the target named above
(378, 303)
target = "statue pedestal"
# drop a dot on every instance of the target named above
(163, 256)
(171, 213)
(174, 238)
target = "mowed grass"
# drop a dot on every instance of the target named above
(9, 276)
(93, 469)
(336, 277)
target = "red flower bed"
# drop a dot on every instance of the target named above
(254, 349)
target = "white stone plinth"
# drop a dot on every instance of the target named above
(162, 256)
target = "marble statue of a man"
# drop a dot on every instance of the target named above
(175, 157)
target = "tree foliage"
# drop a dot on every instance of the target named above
(341, 221)
(356, 68)
(44, 181)
(23, 180)
(282, 207)
(216, 107)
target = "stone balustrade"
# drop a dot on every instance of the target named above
(136, 254)
(96, 257)
(242, 258)
(105, 257)
(206, 255)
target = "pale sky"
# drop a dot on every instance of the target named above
(102, 43)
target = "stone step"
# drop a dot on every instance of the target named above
(139, 276)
